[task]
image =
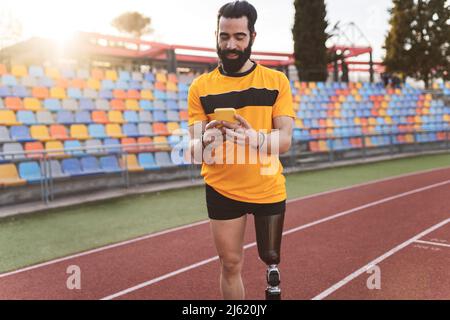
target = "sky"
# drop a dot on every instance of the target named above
(187, 22)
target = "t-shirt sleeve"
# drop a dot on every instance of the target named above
(195, 109)
(284, 105)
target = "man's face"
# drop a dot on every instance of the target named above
(234, 43)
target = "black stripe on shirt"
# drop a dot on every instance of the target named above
(239, 99)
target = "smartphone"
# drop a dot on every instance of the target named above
(225, 114)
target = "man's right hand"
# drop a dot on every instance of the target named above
(213, 131)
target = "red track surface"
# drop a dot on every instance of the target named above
(374, 219)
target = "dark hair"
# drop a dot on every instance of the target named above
(237, 9)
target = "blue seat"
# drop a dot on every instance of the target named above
(52, 104)
(107, 84)
(30, 171)
(105, 94)
(87, 104)
(130, 130)
(9, 80)
(83, 117)
(67, 73)
(173, 116)
(5, 91)
(182, 87)
(172, 105)
(19, 91)
(159, 116)
(159, 95)
(123, 85)
(146, 104)
(124, 76)
(162, 159)
(74, 93)
(90, 165)
(45, 82)
(97, 131)
(109, 164)
(130, 116)
(36, 71)
(26, 117)
(135, 85)
(65, 117)
(20, 134)
(112, 145)
(72, 167)
(71, 144)
(147, 161)
(150, 77)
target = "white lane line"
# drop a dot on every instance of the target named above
(360, 271)
(152, 235)
(335, 216)
(433, 243)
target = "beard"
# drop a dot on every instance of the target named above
(234, 65)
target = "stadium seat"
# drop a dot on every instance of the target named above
(94, 146)
(20, 133)
(109, 164)
(83, 117)
(4, 134)
(93, 84)
(160, 129)
(145, 144)
(162, 159)
(30, 171)
(32, 104)
(52, 104)
(111, 75)
(65, 117)
(72, 167)
(13, 103)
(9, 176)
(115, 117)
(58, 132)
(130, 130)
(26, 117)
(145, 129)
(9, 80)
(79, 132)
(114, 131)
(35, 150)
(55, 170)
(132, 104)
(70, 104)
(74, 93)
(52, 72)
(130, 116)
(77, 83)
(117, 104)
(160, 116)
(14, 149)
(87, 104)
(99, 117)
(172, 116)
(97, 131)
(119, 94)
(55, 149)
(133, 94)
(58, 93)
(112, 145)
(40, 132)
(90, 165)
(129, 145)
(147, 161)
(90, 93)
(147, 95)
(145, 116)
(161, 143)
(173, 128)
(19, 91)
(130, 163)
(146, 105)
(8, 118)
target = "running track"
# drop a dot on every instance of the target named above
(401, 225)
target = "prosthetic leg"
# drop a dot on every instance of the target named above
(269, 231)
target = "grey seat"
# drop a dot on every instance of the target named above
(147, 85)
(29, 81)
(13, 147)
(56, 171)
(44, 117)
(94, 146)
(137, 76)
(90, 93)
(102, 104)
(145, 116)
(70, 104)
(162, 159)
(145, 129)
(4, 134)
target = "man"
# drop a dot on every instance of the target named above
(263, 103)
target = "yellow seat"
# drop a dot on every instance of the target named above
(52, 73)
(161, 143)
(388, 120)
(171, 86)
(131, 163)
(337, 113)
(446, 117)
(19, 70)
(55, 149)
(9, 176)
(330, 123)
(114, 131)
(40, 133)
(409, 138)
(418, 119)
(323, 145)
(32, 104)
(147, 95)
(111, 75)
(57, 93)
(131, 104)
(299, 123)
(372, 121)
(172, 127)
(357, 121)
(93, 84)
(79, 131)
(115, 117)
(8, 118)
(161, 77)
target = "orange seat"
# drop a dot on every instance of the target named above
(62, 83)
(160, 128)
(97, 74)
(117, 104)
(3, 69)
(34, 146)
(128, 145)
(14, 103)
(184, 115)
(145, 140)
(99, 117)
(160, 86)
(41, 93)
(77, 83)
(58, 132)
(119, 94)
(314, 146)
(133, 94)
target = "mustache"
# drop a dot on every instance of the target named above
(231, 51)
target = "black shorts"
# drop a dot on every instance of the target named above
(223, 208)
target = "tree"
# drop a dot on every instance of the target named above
(309, 35)
(133, 23)
(417, 44)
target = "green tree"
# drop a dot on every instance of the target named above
(309, 35)
(133, 23)
(417, 44)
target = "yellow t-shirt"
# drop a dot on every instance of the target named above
(258, 95)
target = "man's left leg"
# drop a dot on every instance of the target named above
(269, 231)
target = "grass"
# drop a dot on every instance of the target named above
(26, 240)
